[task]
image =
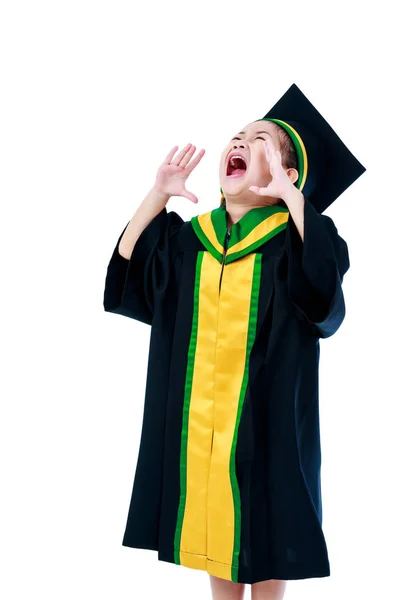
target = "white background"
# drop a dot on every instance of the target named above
(93, 96)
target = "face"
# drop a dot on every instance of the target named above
(249, 143)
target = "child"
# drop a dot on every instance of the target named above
(228, 472)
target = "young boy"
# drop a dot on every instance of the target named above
(228, 472)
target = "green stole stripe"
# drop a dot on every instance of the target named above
(185, 419)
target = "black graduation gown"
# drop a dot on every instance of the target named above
(228, 471)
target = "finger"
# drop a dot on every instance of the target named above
(196, 160)
(260, 191)
(276, 155)
(268, 151)
(272, 150)
(273, 156)
(170, 154)
(187, 157)
(254, 188)
(181, 154)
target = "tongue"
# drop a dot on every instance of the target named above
(238, 171)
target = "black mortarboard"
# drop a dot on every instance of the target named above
(326, 166)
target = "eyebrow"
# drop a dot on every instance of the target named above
(267, 132)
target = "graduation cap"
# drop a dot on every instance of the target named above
(326, 166)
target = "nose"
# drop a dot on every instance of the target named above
(242, 144)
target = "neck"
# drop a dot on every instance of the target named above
(235, 212)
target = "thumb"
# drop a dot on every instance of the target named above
(255, 189)
(261, 191)
(189, 195)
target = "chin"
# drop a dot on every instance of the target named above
(235, 187)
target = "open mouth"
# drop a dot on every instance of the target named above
(236, 167)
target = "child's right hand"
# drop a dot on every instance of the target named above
(172, 174)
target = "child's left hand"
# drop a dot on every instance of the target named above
(280, 184)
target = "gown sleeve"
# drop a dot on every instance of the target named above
(315, 271)
(133, 285)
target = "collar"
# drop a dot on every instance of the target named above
(256, 227)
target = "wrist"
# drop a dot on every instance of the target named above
(158, 196)
(292, 195)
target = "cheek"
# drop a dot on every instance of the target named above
(222, 164)
(259, 166)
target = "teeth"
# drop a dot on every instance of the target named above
(235, 156)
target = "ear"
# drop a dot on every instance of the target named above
(293, 175)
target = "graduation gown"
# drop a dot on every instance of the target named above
(228, 472)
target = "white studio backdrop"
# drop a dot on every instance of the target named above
(93, 96)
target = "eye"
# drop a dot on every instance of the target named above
(258, 137)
